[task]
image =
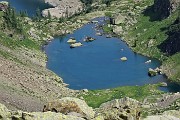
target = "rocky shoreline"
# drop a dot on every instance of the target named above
(26, 84)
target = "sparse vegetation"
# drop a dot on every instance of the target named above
(95, 98)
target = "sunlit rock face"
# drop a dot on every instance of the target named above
(63, 8)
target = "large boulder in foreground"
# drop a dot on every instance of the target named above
(69, 105)
(49, 116)
(4, 112)
(118, 109)
(167, 115)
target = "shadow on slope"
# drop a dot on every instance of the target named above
(172, 44)
(158, 11)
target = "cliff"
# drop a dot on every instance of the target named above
(171, 45)
(164, 8)
(63, 8)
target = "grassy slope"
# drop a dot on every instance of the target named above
(155, 30)
(148, 30)
(95, 98)
(14, 42)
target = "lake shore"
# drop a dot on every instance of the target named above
(48, 84)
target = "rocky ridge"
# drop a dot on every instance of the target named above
(69, 108)
(63, 8)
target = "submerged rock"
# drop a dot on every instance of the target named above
(99, 34)
(89, 39)
(118, 30)
(149, 61)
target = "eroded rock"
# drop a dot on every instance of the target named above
(118, 109)
(67, 105)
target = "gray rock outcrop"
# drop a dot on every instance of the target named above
(69, 105)
(118, 109)
(119, 19)
(167, 115)
(6, 114)
(63, 8)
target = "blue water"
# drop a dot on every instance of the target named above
(28, 5)
(97, 64)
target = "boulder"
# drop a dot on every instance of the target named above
(48, 116)
(89, 39)
(76, 45)
(161, 117)
(175, 113)
(152, 72)
(71, 41)
(124, 58)
(3, 5)
(119, 19)
(118, 109)
(85, 90)
(67, 105)
(4, 113)
(118, 30)
(151, 43)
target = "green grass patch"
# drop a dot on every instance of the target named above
(107, 29)
(14, 43)
(95, 98)
(146, 30)
(149, 34)
(173, 63)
